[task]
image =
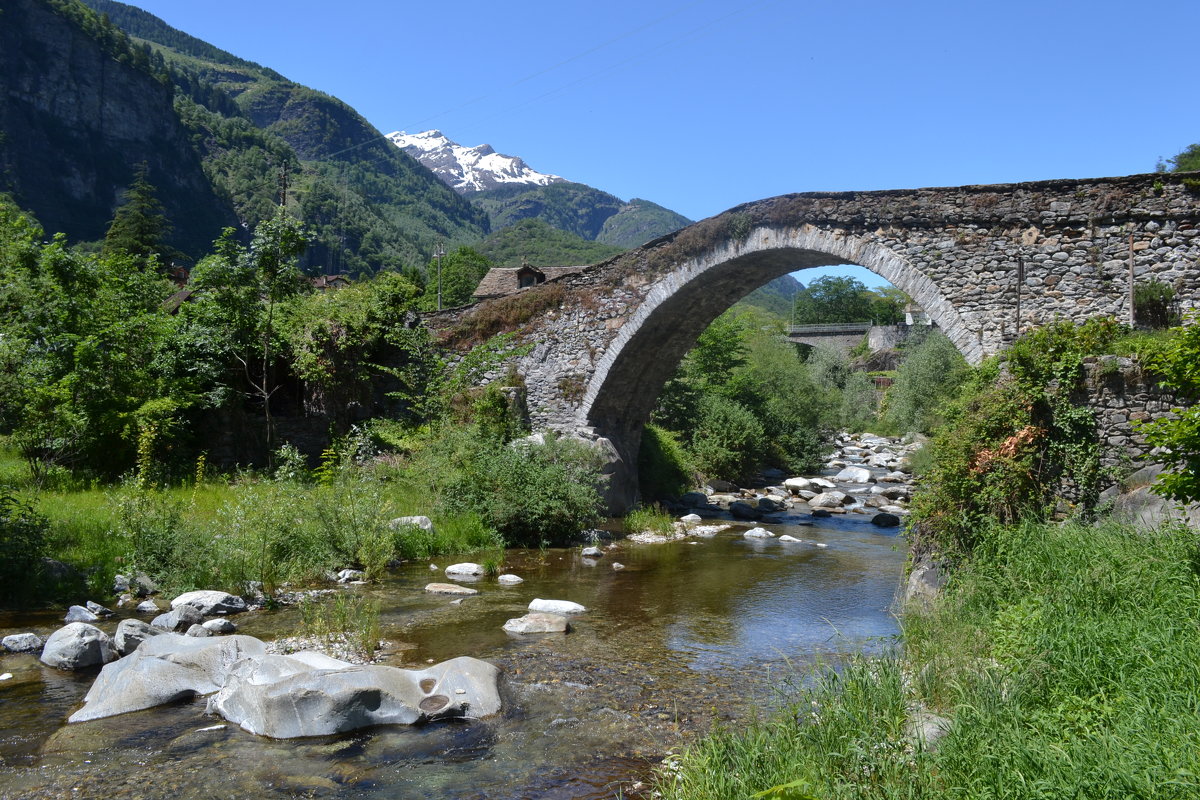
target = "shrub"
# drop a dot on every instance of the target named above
(929, 376)
(1154, 304)
(729, 442)
(532, 495)
(651, 519)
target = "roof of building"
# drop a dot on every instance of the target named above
(500, 281)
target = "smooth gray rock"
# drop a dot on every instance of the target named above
(787, 539)
(592, 552)
(182, 617)
(466, 568)
(538, 622)
(925, 582)
(770, 505)
(758, 533)
(209, 602)
(131, 633)
(508, 579)
(98, 610)
(163, 669)
(743, 510)
(450, 588)
(823, 483)
(148, 607)
(796, 484)
(23, 643)
(220, 625)
(829, 499)
(198, 631)
(691, 519)
(693, 500)
(855, 475)
(885, 520)
(424, 523)
(79, 614)
(78, 646)
(556, 606)
(325, 702)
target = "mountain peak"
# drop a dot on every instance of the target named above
(468, 169)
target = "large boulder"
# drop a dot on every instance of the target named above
(796, 484)
(79, 614)
(163, 669)
(885, 520)
(743, 510)
(210, 602)
(131, 633)
(467, 569)
(322, 702)
(78, 645)
(693, 500)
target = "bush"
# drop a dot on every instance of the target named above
(532, 495)
(929, 376)
(729, 442)
(652, 519)
(1154, 304)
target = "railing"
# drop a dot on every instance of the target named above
(832, 329)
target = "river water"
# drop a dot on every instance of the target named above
(688, 633)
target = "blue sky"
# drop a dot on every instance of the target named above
(703, 104)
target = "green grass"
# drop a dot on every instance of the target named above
(652, 519)
(1064, 655)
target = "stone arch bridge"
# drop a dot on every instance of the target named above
(985, 262)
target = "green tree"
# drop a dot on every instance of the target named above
(139, 227)
(1187, 160)
(833, 299)
(930, 375)
(461, 272)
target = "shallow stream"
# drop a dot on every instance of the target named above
(689, 632)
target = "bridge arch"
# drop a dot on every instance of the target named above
(629, 378)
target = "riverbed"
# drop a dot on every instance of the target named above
(686, 634)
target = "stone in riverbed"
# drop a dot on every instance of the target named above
(556, 606)
(450, 588)
(199, 631)
(691, 519)
(131, 633)
(508, 579)
(823, 483)
(148, 607)
(830, 499)
(78, 646)
(796, 484)
(22, 643)
(743, 510)
(770, 505)
(220, 625)
(758, 533)
(790, 539)
(210, 602)
(182, 617)
(466, 568)
(885, 520)
(98, 610)
(79, 614)
(855, 475)
(693, 500)
(592, 552)
(538, 622)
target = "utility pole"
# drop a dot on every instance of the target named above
(438, 252)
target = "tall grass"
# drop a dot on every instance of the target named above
(1064, 656)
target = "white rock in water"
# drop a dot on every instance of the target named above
(210, 602)
(690, 518)
(538, 622)
(592, 552)
(23, 643)
(466, 568)
(450, 588)
(78, 645)
(219, 625)
(796, 484)
(79, 614)
(618, 565)
(758, 533)
(792, 539)
(832, 499)
(510, 579)
(824, 483)
(855, 475)
(148, 607)
(556, 606)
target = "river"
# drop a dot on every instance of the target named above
(688, 633)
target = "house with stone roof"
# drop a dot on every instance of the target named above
(501, 281)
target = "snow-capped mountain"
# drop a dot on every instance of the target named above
(468, 169)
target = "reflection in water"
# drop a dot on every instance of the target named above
(685, 634)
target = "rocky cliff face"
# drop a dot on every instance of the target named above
(75, 122)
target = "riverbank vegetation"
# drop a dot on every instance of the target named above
(1057, 660)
